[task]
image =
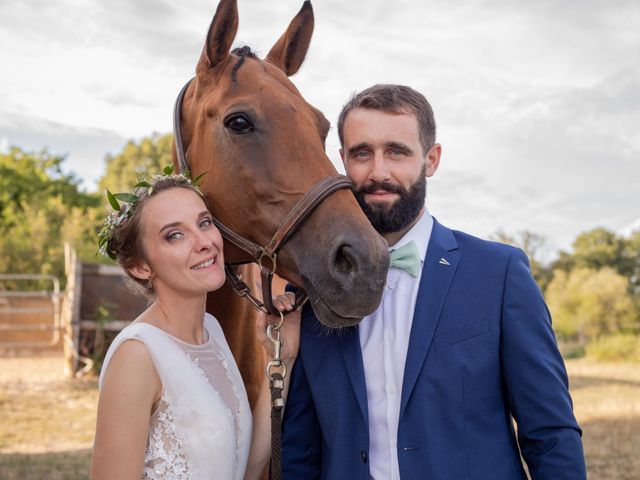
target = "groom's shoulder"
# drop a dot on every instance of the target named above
(473, 245)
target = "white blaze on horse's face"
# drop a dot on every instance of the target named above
(183, 248)
(262, 145)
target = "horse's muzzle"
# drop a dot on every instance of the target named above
(347, 283)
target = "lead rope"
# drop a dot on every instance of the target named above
(276, 385)
(276, 425)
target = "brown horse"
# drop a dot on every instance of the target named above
(262, 146)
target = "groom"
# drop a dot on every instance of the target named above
(461, 347)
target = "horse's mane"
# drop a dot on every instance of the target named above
(243, 52)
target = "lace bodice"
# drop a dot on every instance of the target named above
(164, 456)
(201, 427)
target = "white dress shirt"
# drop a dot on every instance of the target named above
(384, 339)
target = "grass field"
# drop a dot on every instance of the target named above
(606, 400)
(47, 423)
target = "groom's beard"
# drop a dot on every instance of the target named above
(392, 218)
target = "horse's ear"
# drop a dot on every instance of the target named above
(289, 51)
(221, 34)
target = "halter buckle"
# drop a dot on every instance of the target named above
(272, 258)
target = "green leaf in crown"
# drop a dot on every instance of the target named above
(127, 197)
(196, 181)
(112, 200)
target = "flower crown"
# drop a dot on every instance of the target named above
(124, 205)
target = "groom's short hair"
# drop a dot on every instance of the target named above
(391, 98)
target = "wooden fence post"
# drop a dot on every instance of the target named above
(71, 311)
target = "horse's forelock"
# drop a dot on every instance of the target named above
(242, 52)
(245, 50)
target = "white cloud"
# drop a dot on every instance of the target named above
(85, 147)
(630, 228)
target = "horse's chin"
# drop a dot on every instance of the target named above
(330, 319)
(325, 314)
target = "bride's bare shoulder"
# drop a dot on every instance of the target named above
(131, 373)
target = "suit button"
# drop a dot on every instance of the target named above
(364, 456)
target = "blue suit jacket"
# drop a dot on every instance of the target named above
(481, 351)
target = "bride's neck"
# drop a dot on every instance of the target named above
(182, 318)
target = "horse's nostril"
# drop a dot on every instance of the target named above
(344, 261)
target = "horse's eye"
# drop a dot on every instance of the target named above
(239, 123)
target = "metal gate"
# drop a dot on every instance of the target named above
(29, 318)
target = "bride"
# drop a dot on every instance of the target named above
(172, 403)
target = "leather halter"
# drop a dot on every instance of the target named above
(265, 257)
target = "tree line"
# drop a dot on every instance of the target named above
(592, 290)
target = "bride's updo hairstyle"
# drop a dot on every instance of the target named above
(120, 237)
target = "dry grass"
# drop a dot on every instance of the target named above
(606, 399)
(47, 422)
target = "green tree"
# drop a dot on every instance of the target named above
(632, 252)
(533, 245)
(587, 303)
(41, 207)
(33, 178)
(595, 249)
(149, 156)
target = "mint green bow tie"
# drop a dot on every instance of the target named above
(406, 258)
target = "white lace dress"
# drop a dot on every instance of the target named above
(201, 428)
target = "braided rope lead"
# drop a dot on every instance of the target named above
(276, 385)
(277, 403)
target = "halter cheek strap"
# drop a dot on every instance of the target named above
(177, 129)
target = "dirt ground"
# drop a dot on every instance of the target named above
(47, 422)
(606, 401)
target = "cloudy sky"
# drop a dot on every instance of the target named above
(537, 102)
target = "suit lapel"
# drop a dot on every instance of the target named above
(439, 268)
(352, 354)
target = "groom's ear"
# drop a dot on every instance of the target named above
(433, 159)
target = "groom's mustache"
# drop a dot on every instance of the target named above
(376, 186)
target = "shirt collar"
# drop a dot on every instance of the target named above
(419, 233)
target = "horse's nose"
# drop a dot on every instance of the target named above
(346, 282)
(345, 261)
(354, 258)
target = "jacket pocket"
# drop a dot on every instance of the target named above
(446, 339)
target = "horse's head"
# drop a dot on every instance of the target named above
(262, 146)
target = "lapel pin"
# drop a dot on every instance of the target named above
(443, 261)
